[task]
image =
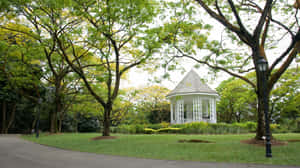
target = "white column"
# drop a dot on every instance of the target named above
(182, 111)
(171, 118)
(194, 109)
(211, 117)
(200, 108)
(214, 110)
(177, 111)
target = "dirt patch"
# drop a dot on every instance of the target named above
(103, 138)
(262, 143)
(194, 141)
(293, 140)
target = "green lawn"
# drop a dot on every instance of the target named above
(227, 148)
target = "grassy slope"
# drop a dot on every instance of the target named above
(226, 149)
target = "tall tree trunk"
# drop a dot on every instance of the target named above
(3, 116)
(106, 121)
(58, 108)
(53, 122)
(61, 118)
(59, 124)
(260, 130)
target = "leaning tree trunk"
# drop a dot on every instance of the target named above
(106, 120)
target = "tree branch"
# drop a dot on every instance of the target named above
(215, 67)
(244, 36)
(262, 19)
(275, 77)
(284, 54)
(79, 72)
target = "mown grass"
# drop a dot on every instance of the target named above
(227, 148)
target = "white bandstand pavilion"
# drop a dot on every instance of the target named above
(192, 101)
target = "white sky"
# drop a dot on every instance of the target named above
(139, 78)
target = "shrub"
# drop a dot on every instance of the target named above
(251, 126)
(88, 124)
(164, 124)
(126, 129)
(149, 131)
(169, 130)
(154, 126)
(198, 128)
(139, 129)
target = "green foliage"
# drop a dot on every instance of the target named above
(285, 97)
(169, 130)
(237, 102)
(251, 126)
(146, 105)
(88, 124)
(188, 128)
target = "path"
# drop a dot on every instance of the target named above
(18, 153)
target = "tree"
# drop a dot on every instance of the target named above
(237, 101)
(237, 97)
(117, 34)
(20, 73)
(46, 21)
(146, 105)
(253, 27)
(284, 99)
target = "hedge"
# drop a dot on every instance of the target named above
(195, 128)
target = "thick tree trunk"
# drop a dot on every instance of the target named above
(58, 107)
(59, 124)
(260, 130)
(53, 122)
(60, 121)
(3, 117)
(106, 121)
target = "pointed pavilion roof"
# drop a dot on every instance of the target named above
(192, 84)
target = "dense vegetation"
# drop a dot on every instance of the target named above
(62, 62)
(204, 128)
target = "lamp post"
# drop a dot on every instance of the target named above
(263, 67)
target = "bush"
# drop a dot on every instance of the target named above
(164, 124)
(149, 131)
(198, 128)
(139, 129)
(155, 126)
(169, 130)
(251, 126)
(88, 124)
